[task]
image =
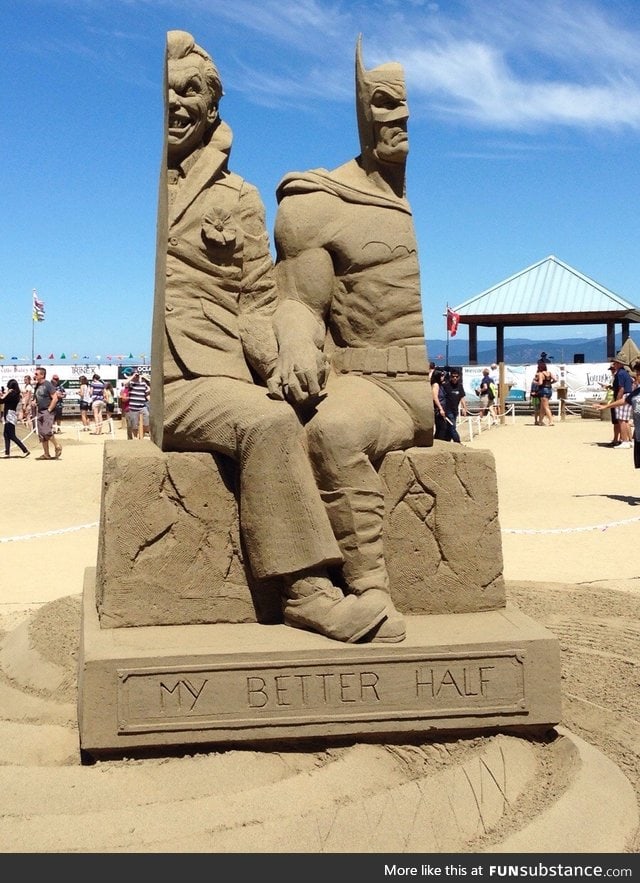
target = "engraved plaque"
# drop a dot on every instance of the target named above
(268, 693)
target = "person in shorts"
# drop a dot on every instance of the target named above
(46, 396)
(629, 410)
(622, 412)
(85, 403)
(57, 414)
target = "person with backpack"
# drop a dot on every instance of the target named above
(545, 379)
(486, 392)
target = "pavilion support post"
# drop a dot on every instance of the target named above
(499, 343)
(473, 344)
(611, 339)
(625, 331)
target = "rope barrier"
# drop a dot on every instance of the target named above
(572, 529)
(48, 533)
(510, 530)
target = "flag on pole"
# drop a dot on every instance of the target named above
(453, 320)
(38, 308)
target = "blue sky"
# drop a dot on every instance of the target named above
(524, 135)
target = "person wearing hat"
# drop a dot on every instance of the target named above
(631, 400)
(621, 411)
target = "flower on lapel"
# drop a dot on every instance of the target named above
(217, 228)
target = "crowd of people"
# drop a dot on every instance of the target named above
(38, 406)
(29, 405)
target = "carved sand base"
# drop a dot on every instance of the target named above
(231, 684)
(180, 647)
(170, 551)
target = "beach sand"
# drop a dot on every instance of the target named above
(570, 516)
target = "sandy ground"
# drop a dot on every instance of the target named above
(570, 519)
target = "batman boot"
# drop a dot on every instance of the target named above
(392, 629)
(314, 603)
(356, 516)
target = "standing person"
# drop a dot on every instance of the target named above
(350, 329)
(109, 400)
(631, 400)
(545, 379)
(455, 403)
(215, 355)
(621, 385)
(123, 401)
(497, 403)
(57, 423)
(11, 401)
(97, 402)
(85, 403)
(138, 404)
(486, 394)
(608, 387)
(441, 431)
(46, 396)
(535, 400)
(27, 401)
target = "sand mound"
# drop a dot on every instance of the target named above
(466, 795)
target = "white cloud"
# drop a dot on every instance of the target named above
(523, 64)
(517, 65)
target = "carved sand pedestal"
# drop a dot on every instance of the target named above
(180, 647)
(250, 683)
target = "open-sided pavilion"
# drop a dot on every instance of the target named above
(549, 292)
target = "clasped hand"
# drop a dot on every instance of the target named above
(301, 373)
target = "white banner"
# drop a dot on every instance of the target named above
(585, 382)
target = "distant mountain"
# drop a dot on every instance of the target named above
(523, 351)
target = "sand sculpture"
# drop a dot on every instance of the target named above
(222, 390)
(294, 521)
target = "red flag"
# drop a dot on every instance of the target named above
(453, 320)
